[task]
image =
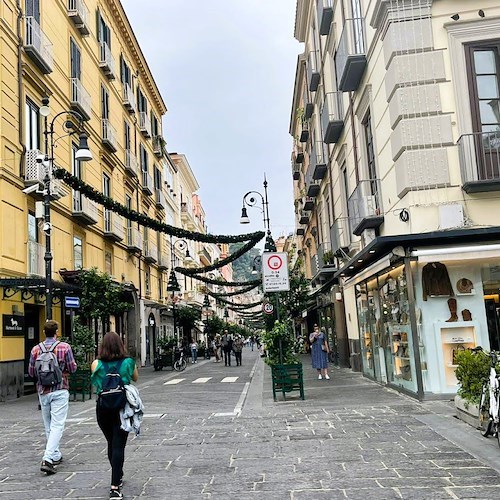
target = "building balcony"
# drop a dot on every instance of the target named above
(340, 236)
(304, 134)
(37, 46)
(313, 188)
(304, 217)
(313, 75)
(128, 98)
(298, 154)
(160, 199)
(113, 226)
(332, 117)
(134, 239)
(36, 262)
(296, 168)
(309, 204)
(157, 145)
(150, 252)
(80, 99)
(79, 14)
(325, 16)
(318, 160)
(187, 217)
(84, 210)
(163, 263)
(350, 58)
(479, 155)
(308, 105)
(323, 267)
(131, 164)
(108, 135)
(147, 183)
(144, 124)
(205, 257)
(365, 207)
(107, 61)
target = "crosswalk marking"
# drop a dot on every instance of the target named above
(174, 381)
(229, 379)
(201, 380)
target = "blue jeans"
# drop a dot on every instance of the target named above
(194, 355)
(54, 412)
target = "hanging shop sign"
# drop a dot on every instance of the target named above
(275, 272)
(12, 326)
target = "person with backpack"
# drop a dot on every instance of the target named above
(51, 362)
(111, 372)
(227, 347)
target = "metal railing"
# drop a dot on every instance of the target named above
(79, 12)
(340, 235)
(160, 198)
(147, 182)
(113, 224)
(131, 163)
(134, 238)
(332, 110)
(80, 96)
(108, 133)
(106, 59)
(36, 263)
(150, 250)
(128, 97)
(36, 39)
(364, 202)
(157, 141)
(313, 75)
(144, 123)
(82, 205)
(352, 42)
(479, 155)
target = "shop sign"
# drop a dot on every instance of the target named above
(12, 326)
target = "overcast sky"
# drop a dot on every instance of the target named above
(226, 70)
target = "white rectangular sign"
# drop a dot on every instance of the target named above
(275, 272)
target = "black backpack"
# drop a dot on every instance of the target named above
(113, 396)
(47, 369)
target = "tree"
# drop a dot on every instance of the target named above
(243, 266)
(186, 318)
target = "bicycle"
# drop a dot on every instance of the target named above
(489, 402)
(181, 363)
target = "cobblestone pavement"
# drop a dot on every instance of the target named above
(214, 432)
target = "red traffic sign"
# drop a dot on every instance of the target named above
(268, 308)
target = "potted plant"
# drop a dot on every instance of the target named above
(165, 354)
(283, 352)
(472, 372)
(329, 258)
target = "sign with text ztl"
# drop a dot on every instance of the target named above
(275, 272)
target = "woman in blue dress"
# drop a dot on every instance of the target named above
(319, 352)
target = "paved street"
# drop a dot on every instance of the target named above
(214, 432)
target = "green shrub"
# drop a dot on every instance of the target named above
(283, 333)
(472, 372)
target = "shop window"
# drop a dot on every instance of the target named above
(77, 253)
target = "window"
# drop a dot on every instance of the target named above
(128, 204)
(106, 191)
(76, 60)
(76, 166)
(155, 126)
(103, 31)
(33, 9)
(125, 72)
(143, 158)
(104, 102)
(108, 261)
(157, 179)
(126, 135)
(357, 27)
(160, 287)
(32, 228)
(32, 125)
(142, 102)
(147, 281)
(77, 253)
(369, 149)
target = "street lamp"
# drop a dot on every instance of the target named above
(226, 314)
(257, 263)
(173, 284)
(206, 307)
(82, 154)
(250, 199)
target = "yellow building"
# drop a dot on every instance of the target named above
(84, 57)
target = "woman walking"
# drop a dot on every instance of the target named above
(320, 350)
(112, 356)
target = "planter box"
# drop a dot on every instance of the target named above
(467, 412)
(287, 378)
(79, 383)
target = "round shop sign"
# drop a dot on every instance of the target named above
(268, 308)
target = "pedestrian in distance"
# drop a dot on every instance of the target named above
(112, 362)
(227, 347)
(238, 348)
(51, 362)
(194, 351)
(252, 341)
(320, 350)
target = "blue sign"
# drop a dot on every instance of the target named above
(72, 302)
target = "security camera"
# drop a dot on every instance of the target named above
(47, 227)
(30, 189)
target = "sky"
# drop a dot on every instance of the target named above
(226, 70)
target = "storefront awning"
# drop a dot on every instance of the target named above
(383, 245)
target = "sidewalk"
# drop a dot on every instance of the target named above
(350, 438)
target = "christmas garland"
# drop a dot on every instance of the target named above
(144, 220)
(237, 292)
(213, 281)
(239, 306)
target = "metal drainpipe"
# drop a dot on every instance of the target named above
(20, 87)
(354, 143)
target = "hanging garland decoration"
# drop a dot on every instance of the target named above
(213, 281)
(230, 294)
(144, 220)
(234, 304)
(221, 263)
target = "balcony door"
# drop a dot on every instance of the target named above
(76, 60)
(484, 72)
(357, 27)
(33, 9)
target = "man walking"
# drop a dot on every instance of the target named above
(237, 348)
(50, 363)
(227, 347)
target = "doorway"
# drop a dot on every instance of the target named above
(31, 339)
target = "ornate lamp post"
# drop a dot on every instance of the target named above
(82, 154)
(206, 308)
(250, 199)
(173, 284)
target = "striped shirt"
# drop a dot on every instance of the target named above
(65, 359)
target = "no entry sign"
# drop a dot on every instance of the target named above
(275, 272)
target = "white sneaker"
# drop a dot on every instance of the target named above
(320, 377)
(327, 377)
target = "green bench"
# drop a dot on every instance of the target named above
(287, 378)
(79, 383)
